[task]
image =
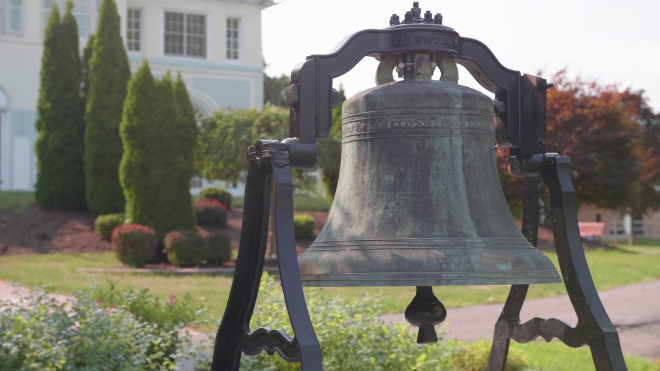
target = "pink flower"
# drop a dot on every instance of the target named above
(171, 301)
(173, 296)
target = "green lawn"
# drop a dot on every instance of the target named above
(300, 203)
(15, 199)
(555, 356)
(609, 269)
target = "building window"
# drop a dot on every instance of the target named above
(196, 182)
(81, 13)
(185, 35)
(2, 17)
(11, 16)
(45, 13)
(133, 29)
(15, 11)
(598, 218)
(233, 28)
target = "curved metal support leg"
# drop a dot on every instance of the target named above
(510, 316)
(234, 337)
(249, 267)
(310, 350)
(594, 327)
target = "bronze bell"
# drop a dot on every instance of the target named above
(419, 202)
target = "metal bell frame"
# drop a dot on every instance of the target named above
(520, 115)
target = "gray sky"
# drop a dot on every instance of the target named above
(610, 41)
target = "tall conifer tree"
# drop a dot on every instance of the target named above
(138, 127)
(109, 74)
(184, 140)
(158, 142)
(59, 148)
(86, 58)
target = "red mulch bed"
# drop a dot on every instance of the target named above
(36, 231)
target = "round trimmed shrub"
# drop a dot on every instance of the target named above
(218, 194)
(220, 249)
(105, 224)
(133, 244)
(210, 212)
(303, 225)
(186, 248)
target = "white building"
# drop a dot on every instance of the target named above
(215, 44)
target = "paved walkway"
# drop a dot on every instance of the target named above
(634, 310)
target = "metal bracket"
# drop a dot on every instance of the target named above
(521, 99)
(594, 327)
(269, 160)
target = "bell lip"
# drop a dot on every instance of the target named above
(379, 281)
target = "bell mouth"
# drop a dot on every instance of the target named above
(425, 262)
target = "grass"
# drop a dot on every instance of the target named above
(555, 356)
(300, 203)
(609, 269)
(16, 200)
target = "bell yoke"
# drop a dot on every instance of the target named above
(418, 202)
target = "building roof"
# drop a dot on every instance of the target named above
(263, 3)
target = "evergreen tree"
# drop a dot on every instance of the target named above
(59, 148)
(158, 131)
(109, 73)
(274, 90)
(138, 130)
(87, 56)
(184, 140)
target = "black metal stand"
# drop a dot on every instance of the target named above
(234, 337)
(594, 327)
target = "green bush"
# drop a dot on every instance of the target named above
(210, 213)
(474, 357)
(218, 194)
(39, 333)
(304, 225)
(105, 224)
(352, 335)
(174, 313)
(186, 248)
(220, 249)
(133, 244)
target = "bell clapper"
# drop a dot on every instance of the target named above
(426, 311)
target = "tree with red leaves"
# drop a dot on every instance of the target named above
(613, 140)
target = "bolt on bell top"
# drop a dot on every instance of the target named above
(419, 202)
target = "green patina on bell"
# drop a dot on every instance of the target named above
(419, 202)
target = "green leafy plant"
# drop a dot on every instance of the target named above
(303, 225)
(218, 194)
(220, 249)
(175, 312)
(40, 333)
(474, 357)
(105, 224)
(186, 248)
(210, 212)
(133, 244)
(352, 336)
